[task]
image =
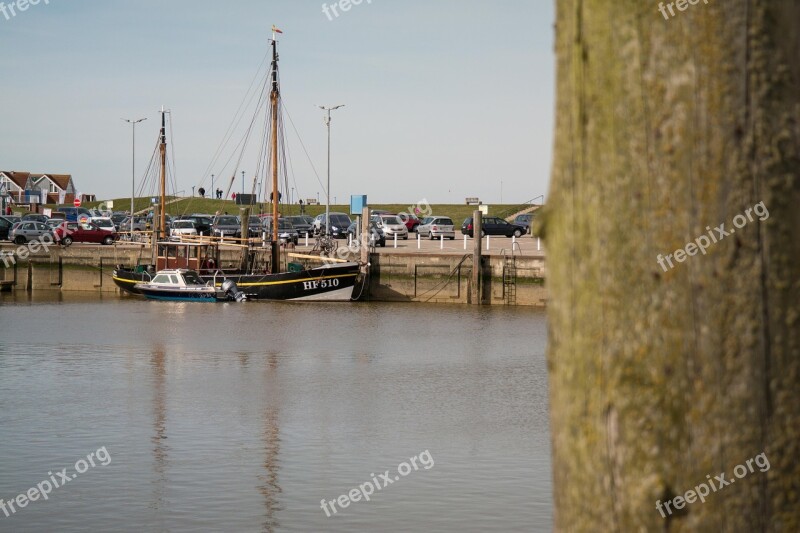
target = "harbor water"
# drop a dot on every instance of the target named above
(245, 417)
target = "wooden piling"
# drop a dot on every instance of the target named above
(475, 286)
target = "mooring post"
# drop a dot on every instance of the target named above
(244, 231)
(365, 238)
(475, 287)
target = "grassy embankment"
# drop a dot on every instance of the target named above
(458, 212)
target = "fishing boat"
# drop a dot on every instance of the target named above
(257, 276)
(183, 285)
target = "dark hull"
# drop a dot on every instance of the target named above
(331, 283)
(126, 280)
(181, 295)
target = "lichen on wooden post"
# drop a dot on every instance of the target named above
(663, 375)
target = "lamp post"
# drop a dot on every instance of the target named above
(133, 123)
(328, 189)
(242, 181)
(212, 186)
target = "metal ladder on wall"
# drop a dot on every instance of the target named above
(510, 274)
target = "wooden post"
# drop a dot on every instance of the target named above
(475, 288)
(660, 376)
(364, 240)
(244, 214)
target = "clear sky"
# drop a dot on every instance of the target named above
(444, 98)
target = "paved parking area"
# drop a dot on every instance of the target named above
(526, 245)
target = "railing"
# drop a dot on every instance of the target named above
(521, 207)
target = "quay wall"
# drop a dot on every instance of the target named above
(447, 279)
(394, 277)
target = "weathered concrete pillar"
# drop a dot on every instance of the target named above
(475, 287)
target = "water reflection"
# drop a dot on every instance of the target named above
(270, 489)
(210, 431)
(159, 438)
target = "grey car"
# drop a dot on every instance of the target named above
(303, 224)
(226, 226)
(139, 224)
(434, 227)
(286, 232)
(525, 220)
(29, 231)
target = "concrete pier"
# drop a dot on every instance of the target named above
(399, 275)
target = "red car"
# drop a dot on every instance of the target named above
(69, 232)
(411, 221)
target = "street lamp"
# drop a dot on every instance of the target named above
(212, 186)
(242, 181)
(133, 123)
(328, 190)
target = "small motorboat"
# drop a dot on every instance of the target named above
(183, 285)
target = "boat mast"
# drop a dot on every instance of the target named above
(273, 98)
(163, 150)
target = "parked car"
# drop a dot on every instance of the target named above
(525, 221)
(180, 228)
(139, 224)
(69, 232)
(117, 218)
(435, 227)
(254, 226)
(149, 221)
(226, 226)
(412, 222)
(286, 232)
(53, 223)
(104, 223)
(391, 226)
(13, 218)
(35, 217)
(26, 231)
(302, 223)
(201, 222)
(493, 226)
(339, 224)
(376, 232)
(5, 228)
(72, 214)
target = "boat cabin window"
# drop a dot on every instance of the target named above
(192, 278)
(174, 279)
(161, 278)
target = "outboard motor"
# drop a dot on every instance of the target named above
(233, 292)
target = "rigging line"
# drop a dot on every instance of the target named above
(304, 147)
(290, 166)
(148, 171)
(174, 172)
(245, 141)
(284, 158)
(265, 148)
(290, 169)
(231, 126)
